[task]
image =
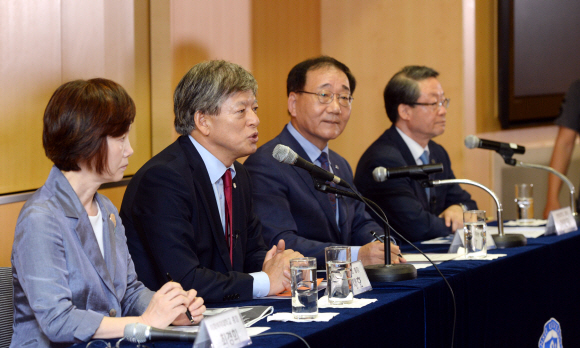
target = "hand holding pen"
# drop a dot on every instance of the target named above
(187, 312)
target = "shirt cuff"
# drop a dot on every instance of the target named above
(354, 253)
(261, 284)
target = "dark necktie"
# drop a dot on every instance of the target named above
(425, 159)
(323, 159)
(227, 179)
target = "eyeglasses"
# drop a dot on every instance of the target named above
(326, 97)
(437, 105)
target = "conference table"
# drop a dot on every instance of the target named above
(500, 303)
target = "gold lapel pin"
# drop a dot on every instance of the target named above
(234, 185)
(336, 166)
(112, 218)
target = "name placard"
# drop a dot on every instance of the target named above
(225, 330)
(561, 221)
(360, 280)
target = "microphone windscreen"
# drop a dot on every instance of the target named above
(284, 154)
(380, 174)
(471, 141)
(135, 332)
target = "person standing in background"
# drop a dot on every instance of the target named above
(568, 129)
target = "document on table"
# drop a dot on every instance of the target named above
(528, 232)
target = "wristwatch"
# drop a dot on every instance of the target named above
(463, 206)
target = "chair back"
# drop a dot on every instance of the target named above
(6, 306)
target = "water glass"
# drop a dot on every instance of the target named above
(338, 274)
(474, 229)
(304, 288)
(525, 201)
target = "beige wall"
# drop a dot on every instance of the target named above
(148, 45)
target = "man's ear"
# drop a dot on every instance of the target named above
(292, 104)
(202, 123)
(404, 111)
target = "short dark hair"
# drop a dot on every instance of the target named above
(297, 76)
(205, 87)
(403, 88)
(79, 117)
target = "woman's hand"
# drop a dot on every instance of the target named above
(196, 308)
(166, 305)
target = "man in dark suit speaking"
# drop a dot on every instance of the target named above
(416, 105)
(188, 211)
(290, 208)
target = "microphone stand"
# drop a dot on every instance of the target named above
(501, 240)
(563, 178)
(506, 154)
(376, 273)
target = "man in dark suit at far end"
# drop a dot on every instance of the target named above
(319, 103)
(188, 211)
(416, 105)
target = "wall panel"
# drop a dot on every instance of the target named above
(284, 33)
(376, 39)
(46, 43)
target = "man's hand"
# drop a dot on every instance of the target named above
(277, 267)
(374, 254)
(453, 216)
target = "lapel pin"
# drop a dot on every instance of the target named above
(234, 185)
(112, 218)
(336, 166)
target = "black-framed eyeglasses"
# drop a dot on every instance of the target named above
(326, 97)
(444, 103)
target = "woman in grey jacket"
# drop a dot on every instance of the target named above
(73, 277)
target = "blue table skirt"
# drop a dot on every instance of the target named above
(500, 303)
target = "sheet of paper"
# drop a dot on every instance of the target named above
(252, 331)
(528, 232)
(434, 257)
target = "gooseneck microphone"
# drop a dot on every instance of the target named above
(141, 333)
(472, 142)
(381, 174)
(284, 154)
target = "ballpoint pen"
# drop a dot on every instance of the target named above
(380, 240)
(187, 312)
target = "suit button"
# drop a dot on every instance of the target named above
(237, 296)
(112, 312)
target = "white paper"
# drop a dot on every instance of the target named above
(434, 257)
(356, 303)
(528, 232)
(284, 316)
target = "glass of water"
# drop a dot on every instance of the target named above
(338, 274)
(525, 201)
(474, 230)
(304, 288)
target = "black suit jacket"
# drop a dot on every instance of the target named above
(290, 208)
(404, 200)
(173, 226)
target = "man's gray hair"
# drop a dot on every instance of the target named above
(205, 87)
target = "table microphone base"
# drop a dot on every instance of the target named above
(511, 240)
(391, 273)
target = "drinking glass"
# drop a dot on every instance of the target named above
(474, 230)
(304, 288)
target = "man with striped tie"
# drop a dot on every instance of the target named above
(417, 107)
(319, 103)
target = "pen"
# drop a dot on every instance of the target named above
(380, 240)
(187, 312)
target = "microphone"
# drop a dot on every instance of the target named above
(286, 155)
(472, 142)
(141, 333)
(381, 174)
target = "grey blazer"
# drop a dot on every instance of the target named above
(63, 287)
